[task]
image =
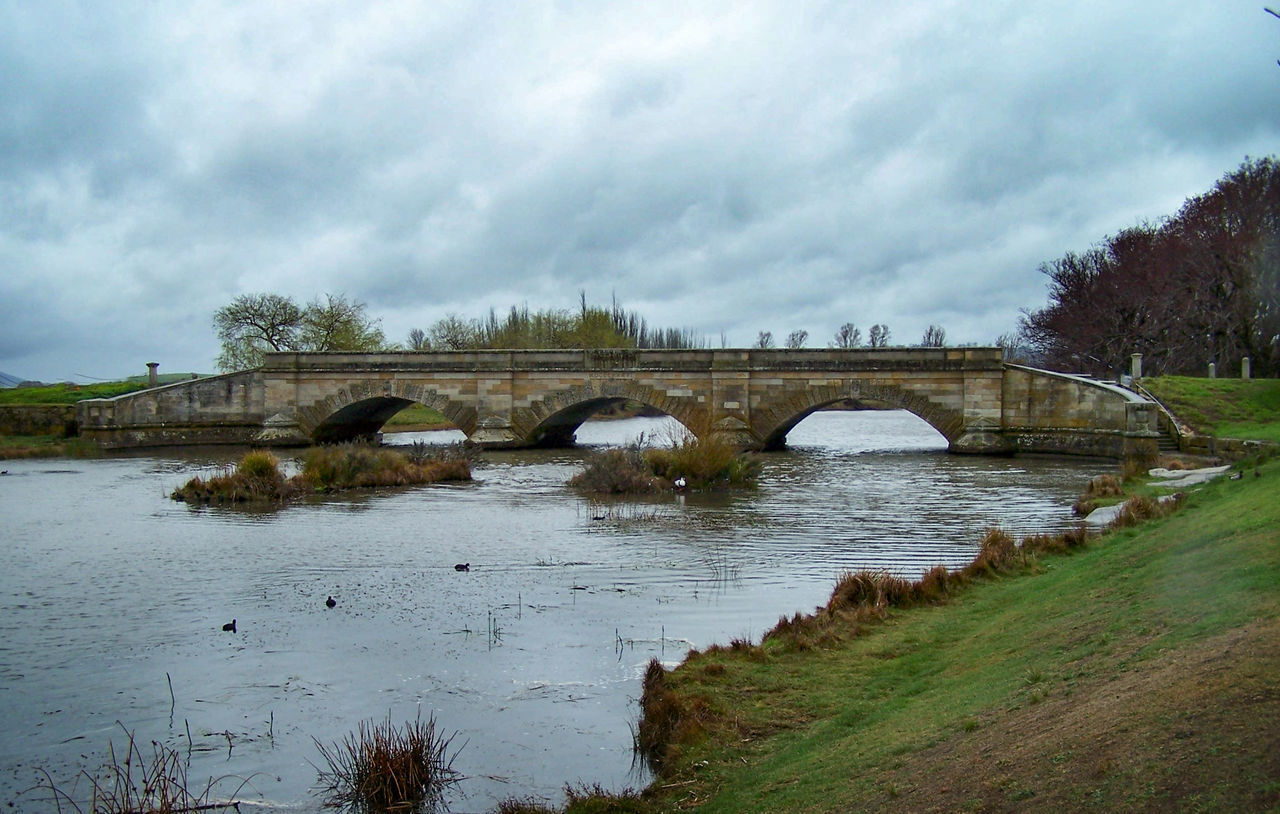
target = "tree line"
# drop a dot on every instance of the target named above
(1200, 286)
(253, 325)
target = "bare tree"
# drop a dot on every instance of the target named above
(878, 337)
(453, 333)
(764, 340)
(934, 337)
(339, 324)
(253, 325)
(796, 339)
(418, 340)
(848, 336)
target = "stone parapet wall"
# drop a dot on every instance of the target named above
(38, 419)
(214, 409)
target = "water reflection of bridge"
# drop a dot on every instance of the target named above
(530, 398)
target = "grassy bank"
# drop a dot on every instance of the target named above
(46, 446)
(68, 393)
(1135, 674)
(1227, 408)
(417, 417)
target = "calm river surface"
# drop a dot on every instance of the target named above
(111, 594)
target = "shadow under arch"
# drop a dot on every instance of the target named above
(773, 423)
(553, 420)
(358, 411)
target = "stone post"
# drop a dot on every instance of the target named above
(1213, 371)
(1246, 368)
(1135, 366)
(152, 378)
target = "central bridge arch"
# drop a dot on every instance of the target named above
(554, 419)
(359, 410)
(773, 423)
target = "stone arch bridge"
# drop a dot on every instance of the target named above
(519, 398)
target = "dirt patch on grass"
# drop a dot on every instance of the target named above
(1194, 730)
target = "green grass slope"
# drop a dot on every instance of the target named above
(1228, 408)
(1136, 674)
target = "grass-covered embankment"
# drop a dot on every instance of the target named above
(1227, 408)
(1136, 673)
(417, 417)
(46, 446)
(258, 477)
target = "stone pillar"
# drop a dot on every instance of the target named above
(1245, 368)
(1135, 366)
(1213, 370)
(153, 379)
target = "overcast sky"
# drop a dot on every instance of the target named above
(728, 167)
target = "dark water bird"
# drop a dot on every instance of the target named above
(230, 626)
(462, 566)
(330, 602)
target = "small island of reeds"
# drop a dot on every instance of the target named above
(258, 476)
(707, 463)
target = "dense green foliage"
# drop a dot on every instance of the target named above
(590, 327)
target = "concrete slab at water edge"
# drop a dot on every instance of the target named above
(1177, 479)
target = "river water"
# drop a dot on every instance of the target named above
(113, 597)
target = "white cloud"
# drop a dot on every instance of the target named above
(726, 167)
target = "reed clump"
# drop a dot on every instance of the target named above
(1141, 508)
(138, 783)
(258, 476)
(382, 767)
(699, 463)
(1100, 486)
(618, 472)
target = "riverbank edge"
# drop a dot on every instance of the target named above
(1132, 674)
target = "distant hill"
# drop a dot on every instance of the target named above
(10, 381)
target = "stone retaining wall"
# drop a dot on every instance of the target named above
(38, 419)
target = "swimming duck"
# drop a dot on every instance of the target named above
(230, 626)
(330, 602)
(462, 566)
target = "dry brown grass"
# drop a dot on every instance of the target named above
(383, 767)
(136, 783)
(258, 478)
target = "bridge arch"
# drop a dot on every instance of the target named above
(772, 421)
(358, 410)
(554, 419)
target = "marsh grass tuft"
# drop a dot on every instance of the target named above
(618, 471)
(1141, 508)
(383, 767)
(704, 463)
(136, 783)
(258, 478)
